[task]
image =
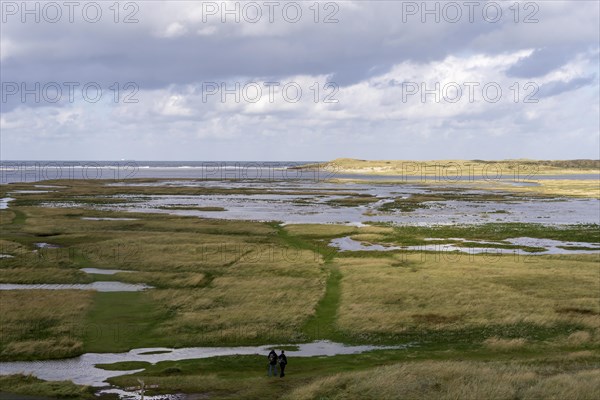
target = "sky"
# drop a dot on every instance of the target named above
(303, 80)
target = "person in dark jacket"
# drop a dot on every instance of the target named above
(272, 357)
(282, 363)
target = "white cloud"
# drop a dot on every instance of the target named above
(173, 105)
(174, 29)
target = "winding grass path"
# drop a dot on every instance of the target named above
(323, 324)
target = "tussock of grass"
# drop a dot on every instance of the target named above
(353, 201)
(39, 324)
(125, 365)
(164, 279)
(29, 385)
(578, 338)
(495, 343)
(43, 348)
(42, 275)
(9, 247)
(320, 230)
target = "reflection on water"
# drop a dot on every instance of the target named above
(309, 202)
(108, 219)
(43, 245)
(131, 395)
(102, 271)
(4, 202)
(550, 246)
(30, 191)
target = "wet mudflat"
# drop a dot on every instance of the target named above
(305, 201)
(542, 246)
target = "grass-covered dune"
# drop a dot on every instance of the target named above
(477, 174)
(508, 168)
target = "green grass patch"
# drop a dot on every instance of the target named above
(125, 365)
(120, 321)
(32, 386)
(354, 201)
(322, 324)
(589, 233)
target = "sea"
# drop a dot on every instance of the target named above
(24, 171)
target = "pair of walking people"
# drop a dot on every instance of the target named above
(274, 360)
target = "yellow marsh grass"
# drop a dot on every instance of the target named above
(167, 252)
(578, 338)
(317, 230)
(164, 279)
(44, 348)
(579, 354)
(174, 251)
(8, 247)
(6, 217)
(394, 294)
(253, 292)
(589, 188)
(50, 316)
(268, 261)
(58, 220)
(240, 308)
(454, 380)
(42, 275)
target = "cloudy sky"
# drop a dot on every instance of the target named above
(305, 80)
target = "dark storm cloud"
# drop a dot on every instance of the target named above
(367, 37)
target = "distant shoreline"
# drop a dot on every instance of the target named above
(520, 167)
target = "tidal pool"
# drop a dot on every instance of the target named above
(102, 271)
(4, 202)
(550, 246)
(108, 219)
(82, 370)
(43, 245)
(30, 191)
(131, 395)
(305, 201)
